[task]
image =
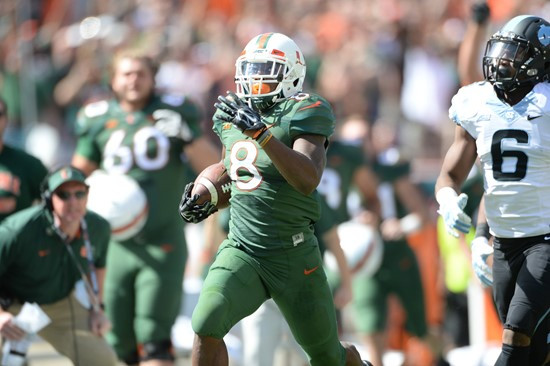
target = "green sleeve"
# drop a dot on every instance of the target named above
(313, 116)
(99, 232)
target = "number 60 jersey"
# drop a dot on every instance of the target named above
(513, 144)
(147, 145)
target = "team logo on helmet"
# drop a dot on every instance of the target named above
(544, 35)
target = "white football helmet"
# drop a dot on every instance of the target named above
(119, 199)
(362, 247)
(270, 69)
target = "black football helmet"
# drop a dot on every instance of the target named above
(518, 54)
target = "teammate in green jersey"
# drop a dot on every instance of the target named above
(143, 134)
(20, 173)
(44, 251)
(403, 211)
(274, 142)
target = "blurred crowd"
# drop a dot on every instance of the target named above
(372, 58)
(393, 63)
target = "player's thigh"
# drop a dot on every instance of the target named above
(308, 307)
(530, 304)
(231, 291)
(158, 294)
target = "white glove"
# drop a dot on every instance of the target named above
(481, 250)
(451, 209)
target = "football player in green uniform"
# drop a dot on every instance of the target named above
(20, 173)
(274, 137)
(44, 251)
(143, 135)
(403, 211)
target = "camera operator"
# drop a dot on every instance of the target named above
(44, 251)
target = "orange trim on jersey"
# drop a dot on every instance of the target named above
(314, 105)
(112, 123)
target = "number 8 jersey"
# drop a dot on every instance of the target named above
(267, 213)
(513, 144)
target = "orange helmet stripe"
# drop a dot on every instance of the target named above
(263, 39)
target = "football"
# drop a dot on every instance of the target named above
(213, 184)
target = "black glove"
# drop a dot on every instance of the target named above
(480, 12)
(236, 111)
(191, 212)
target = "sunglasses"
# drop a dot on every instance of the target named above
(65, 195)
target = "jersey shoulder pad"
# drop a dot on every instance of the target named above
(96, 109)
(89, 114)
(468, 102)
(307, 105)
(311, 114)
(542, 97)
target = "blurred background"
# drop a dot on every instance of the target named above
(393, 63)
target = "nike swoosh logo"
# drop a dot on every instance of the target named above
(547, 238)
(316, 104)
(529, 117)
(307, 272)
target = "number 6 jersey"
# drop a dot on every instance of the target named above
(513, 144)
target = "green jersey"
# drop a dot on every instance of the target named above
(35, 265)
(343, 160)
(20, 177)
(267, 213)
(146, 145)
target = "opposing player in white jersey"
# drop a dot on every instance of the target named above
(505, 121)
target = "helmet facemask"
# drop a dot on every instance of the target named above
(510, 64)
(270, 69)
(260, 82)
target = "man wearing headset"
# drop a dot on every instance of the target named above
(44, 251)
